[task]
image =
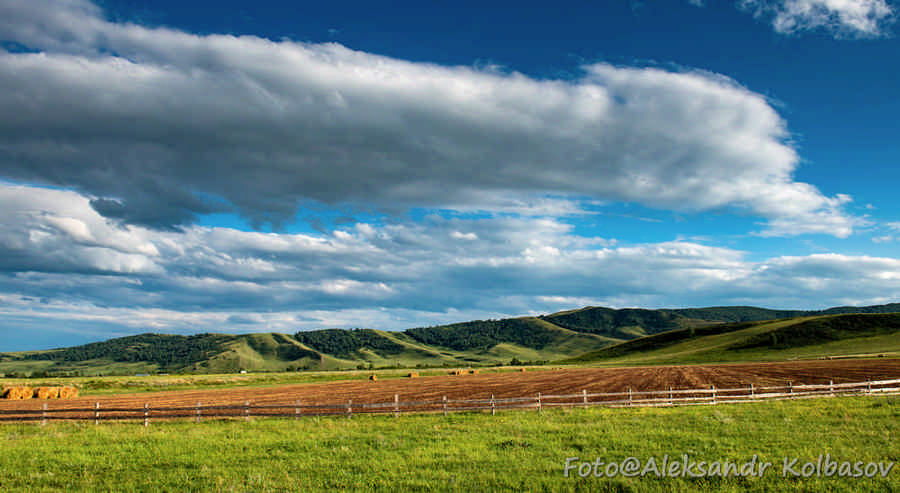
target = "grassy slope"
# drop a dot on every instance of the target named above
(630, 323)
(550, 337)
(801, 337)
(280, 352)
(512, 451)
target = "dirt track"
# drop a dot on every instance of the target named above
(513, 384)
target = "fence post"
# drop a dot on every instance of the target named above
(713, 394)
(445, 405)
(44, 415)
(831, 387)
(397, 405)
(868, 386)
(198, 412)
(97, 414)
(752, 394)
(349, 408)
(791, 388)
(629, 397)
(246, 410)
(670, 396)
(540, 406)
(493, 408)
(584, 397)
(146, 415)
(297, 409)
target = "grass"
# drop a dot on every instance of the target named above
(513, 451)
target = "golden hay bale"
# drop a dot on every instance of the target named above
(414, 374)
(68, 392)
(373, 377)
(521, 369)
(459, 372)
(19, 393)
(3, 392)
(46, 393)
(474, 372)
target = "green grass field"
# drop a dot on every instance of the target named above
(513, 451)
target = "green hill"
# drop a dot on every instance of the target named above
(150, 353)
(629, 323)
(586, 334)
(818, 336)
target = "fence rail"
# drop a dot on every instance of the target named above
(298, 409)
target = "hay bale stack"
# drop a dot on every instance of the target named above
(20, 393)
(414, 374)
(373, 377)
(46, 393)
(459, 372)
(68, 392)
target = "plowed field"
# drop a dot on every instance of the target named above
(502, 385)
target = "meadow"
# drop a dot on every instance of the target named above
(512, 451)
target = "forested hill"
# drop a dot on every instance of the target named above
(629, 323)
(544, 338)
(817, 336)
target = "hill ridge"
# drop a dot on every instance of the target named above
(568, 334)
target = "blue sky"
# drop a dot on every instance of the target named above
(187, 167)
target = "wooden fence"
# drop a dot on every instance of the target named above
(298, 409)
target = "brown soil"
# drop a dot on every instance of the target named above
(503, 385)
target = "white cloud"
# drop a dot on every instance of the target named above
(854, 18)
(464, 236)
(390, 276)
(158, 126)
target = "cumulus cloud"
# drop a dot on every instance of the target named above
(158, 126)
(63, 263)
(843, 18)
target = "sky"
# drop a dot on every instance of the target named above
(234, 167)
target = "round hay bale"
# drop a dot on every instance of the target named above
(4, 392)
(414, 374)
(46, 393)
(20, 393)
(521, 369)
(373, 377)
(68, 392)
(474, 372)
